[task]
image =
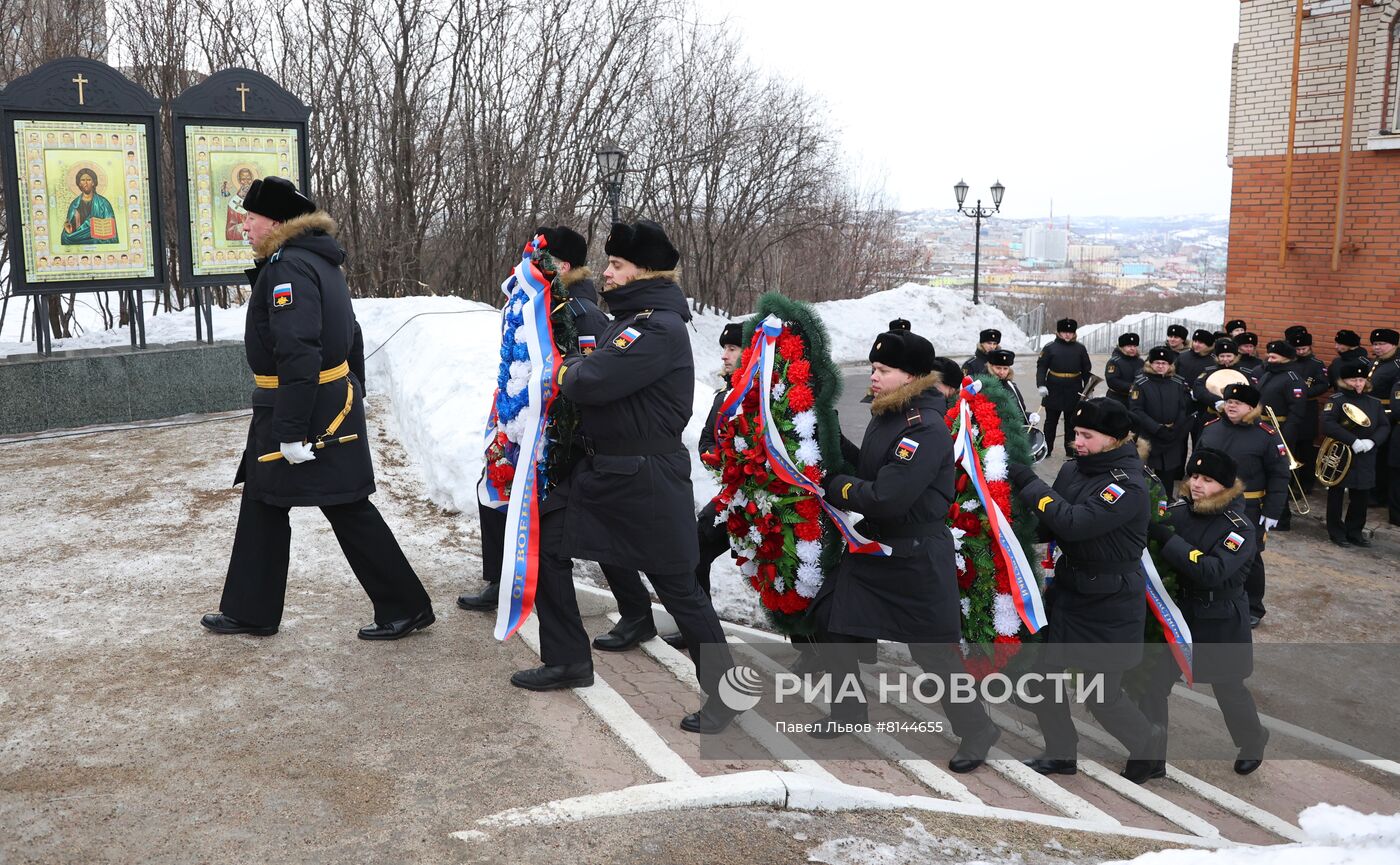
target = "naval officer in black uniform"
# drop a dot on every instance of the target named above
(307, 356)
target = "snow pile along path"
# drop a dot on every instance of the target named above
(1336, 835)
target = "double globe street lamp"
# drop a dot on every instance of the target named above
(978, 213)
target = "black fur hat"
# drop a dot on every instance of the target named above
(1066, 325)
(1001, 357)
(1300, 338)
(277, 198)
(1281, 347)
(733, 334)
(1161, 352)
(1225, 345)
(1179, 331)
(1385, 334)
(1127, 339)
(903, 349)
(948, 370)
(644, 243)
(1294, 328)
(1204, 337)
(1216, 465)
(1349, 338)
(1235, 324)
(1247, 338)
(991, 334)
(1245, 393)
(1354, 368)
(900, 324)
(565, 244)
(1104, 415)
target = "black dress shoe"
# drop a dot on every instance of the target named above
(1252, 758)
(1049, 766)
(626, 635)
(556, 677)
(1254, 622)
(483, 601)
(398, 629)
(1341, 542)
(713, 717)
(1151, 764)
(972, 751)
(221, 624)
(1358, 540)
(675, 641)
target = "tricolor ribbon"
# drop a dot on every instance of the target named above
(1025, 594)
(520, 570)
(488, 492)
(760, 367)
(1174, 626)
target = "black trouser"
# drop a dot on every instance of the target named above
(1254, 580)
(256, 586)
(1116, 713)
(714, 542)
(1052, 421)
(633, 599)
(842, 654)
(1393, 499)
(1350, 525)
(1236, 704)
(563, 640)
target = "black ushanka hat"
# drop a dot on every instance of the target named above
(1066, 325)
(278, 199)
(904, 350)
(565, 244)
(1104, 415)
(733, 334)
(991, 334)
(900, 324)
(644, 243)
(1001, 357)
(1216, 465)
(1128, 339)
(1179, 331)
(1353, 368)
(1245, 393)
(1161, 352)
(1282, 348)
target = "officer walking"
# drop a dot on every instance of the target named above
(903, 486)
(629, 499)
(1097, 513)
(307, 442)
(1209, 542)
(1061, 375)
(988, 341)
(1258, 454)
(635, 623)
(1160, 405)
(1124, 365)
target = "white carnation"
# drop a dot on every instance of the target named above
(519, 377)
(755, 535)
(808, 454)
(738, 501)
(809, 551)
(809, 580)
(515, 428)
(805, 422)
(521, 335)
(740, 444)
(1005, 619)
(966, 604)
(960, 561)
(779, 389)
(994, 463)
(970, 505)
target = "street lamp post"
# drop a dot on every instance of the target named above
(611, 160)
(978, 213)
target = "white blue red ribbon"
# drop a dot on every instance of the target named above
(1174, 626)
(1025, 593)
(520, 569)
(761, 363)
(488, 492)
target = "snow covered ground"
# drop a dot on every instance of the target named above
(1336, 836)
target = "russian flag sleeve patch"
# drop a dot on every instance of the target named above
(1111, 494)
(282, 295)
(906, 449)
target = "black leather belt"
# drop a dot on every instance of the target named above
(630, 447)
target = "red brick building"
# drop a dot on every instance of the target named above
(1294, 257)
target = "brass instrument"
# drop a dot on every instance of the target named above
(1297, 496)
(1334, 457)
(1094, 381)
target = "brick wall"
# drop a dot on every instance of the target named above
(1365, 292)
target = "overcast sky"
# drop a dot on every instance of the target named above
(1109, 108)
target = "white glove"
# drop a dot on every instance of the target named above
(1268, 523)
(1220, 405)
(1033, 418)
(298, 452)
(1362, 445)
(1044, 391)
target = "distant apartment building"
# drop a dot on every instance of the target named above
(1079, 253)
(1315, 213)
(1050, 245)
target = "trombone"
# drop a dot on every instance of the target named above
(1297, 496)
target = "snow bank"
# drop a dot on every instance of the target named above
(1336, 835)
(1212, 311)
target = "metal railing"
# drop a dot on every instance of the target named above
(1152, 329)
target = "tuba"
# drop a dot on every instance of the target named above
(1334, 457)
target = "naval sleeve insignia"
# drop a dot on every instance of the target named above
(906, 449)
(1111, 494)
(282, 295)
(624, 340)
(1233, 542)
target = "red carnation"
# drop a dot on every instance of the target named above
(813, 473)
(771, 548)
(799, 372)
(502, 474)
(800, 398)
(807, 508)
(779, 486)
(712, 459)
(790, 346)
(992, 437)
(767, 573)
(737, 526)
(971, 524)
(811, 530)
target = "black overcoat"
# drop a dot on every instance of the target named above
(628, 500)
(300, 322)
(1160, 406)
(1212, 552)
(903, 487)
(1362, 474)
(1097, 512)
